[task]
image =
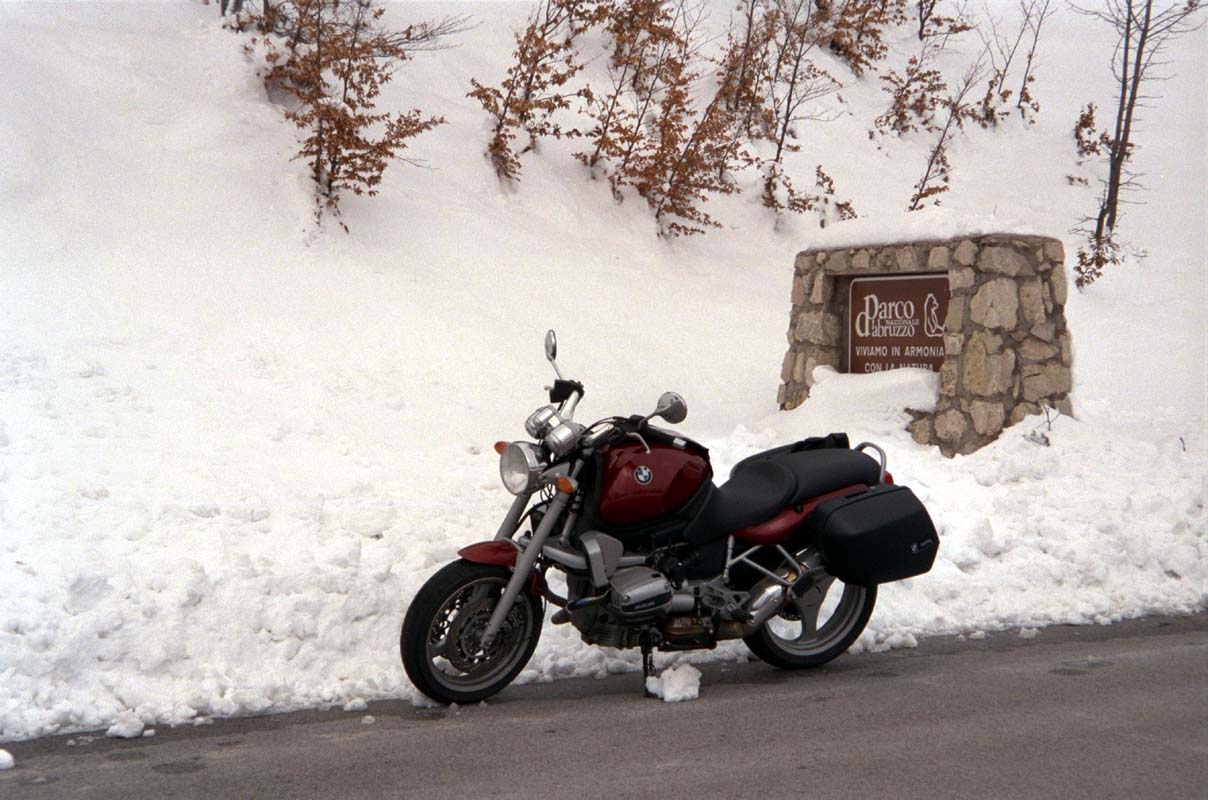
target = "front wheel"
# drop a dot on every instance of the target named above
(817, 627)
(443, 629)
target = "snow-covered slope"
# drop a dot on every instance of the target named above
(232, 447)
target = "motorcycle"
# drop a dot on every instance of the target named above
(786, 555)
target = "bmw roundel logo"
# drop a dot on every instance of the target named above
(642, 475)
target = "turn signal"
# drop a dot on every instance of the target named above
(565, 485)
(500, 447)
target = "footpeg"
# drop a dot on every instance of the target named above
(584, 602)
(560, 617)
(742, 615)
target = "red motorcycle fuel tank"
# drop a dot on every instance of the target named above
(639, 486)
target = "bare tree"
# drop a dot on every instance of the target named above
(941, 26)
(936, 173)
(924, 10)
(1143, 33)
(794, 85)
(1011, 53)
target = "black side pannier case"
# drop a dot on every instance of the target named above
(875, 535)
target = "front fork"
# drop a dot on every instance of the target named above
(527, 558)
(511, 522)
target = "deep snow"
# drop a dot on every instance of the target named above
(232, 447)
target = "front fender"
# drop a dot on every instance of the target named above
(502, 553)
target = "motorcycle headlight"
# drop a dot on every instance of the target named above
(541, 422)
(519, 467)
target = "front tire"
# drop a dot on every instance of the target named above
(444, 624)
(795, 640)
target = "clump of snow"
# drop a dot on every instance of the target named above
(675, 684)
(126, 726)
(6, 760)
(1028, 633)
(421, 700)
(149, 733)
(368, 719)
(356, 704)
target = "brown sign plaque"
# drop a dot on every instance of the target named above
(896, 321)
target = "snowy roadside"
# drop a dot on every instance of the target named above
(231, 449)
(142, 632)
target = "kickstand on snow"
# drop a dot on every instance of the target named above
(650, 640)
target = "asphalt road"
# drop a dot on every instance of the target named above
(1095, 712)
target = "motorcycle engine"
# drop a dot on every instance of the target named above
(636, 595)
(639, 594)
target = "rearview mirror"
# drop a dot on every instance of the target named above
(671, 407)
(551, 351)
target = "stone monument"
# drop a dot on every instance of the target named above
(987, 312)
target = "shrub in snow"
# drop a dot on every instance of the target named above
(642, 36)
(681, 162)
(858, 30)
(672, 151)
(334, 61)
(653, 131)
(536, 84)
(916, 95)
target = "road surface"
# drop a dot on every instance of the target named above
(1095, 712)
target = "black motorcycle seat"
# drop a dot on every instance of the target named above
(818, 472)
(760, 488)
(756, 493)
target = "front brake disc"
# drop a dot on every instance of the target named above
(465, 635)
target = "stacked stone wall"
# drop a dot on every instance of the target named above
(1007, 349)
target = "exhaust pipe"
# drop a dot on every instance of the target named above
(767, 598)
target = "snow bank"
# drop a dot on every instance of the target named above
(232, 447)
(927, 224)
(1052, 523)
(675, 684)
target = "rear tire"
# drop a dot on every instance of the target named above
(443, 626)
(824, 643)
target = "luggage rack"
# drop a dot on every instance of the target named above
(880, 457)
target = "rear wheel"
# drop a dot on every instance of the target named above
(815, 628)
(443, 628)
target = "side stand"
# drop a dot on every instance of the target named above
(650, 640)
